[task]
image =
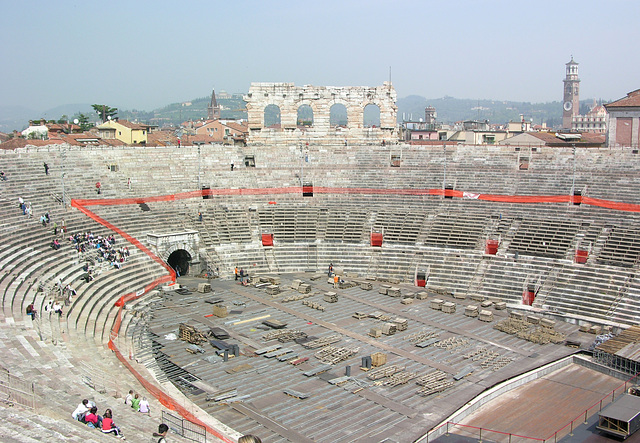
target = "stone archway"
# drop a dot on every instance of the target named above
(180, 261)
(165, 245)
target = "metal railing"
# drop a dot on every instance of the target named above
(185, 428)
(14, 390)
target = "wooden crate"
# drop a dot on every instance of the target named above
(471, 311)
(448, 307)
(378, 359)
(220, 311)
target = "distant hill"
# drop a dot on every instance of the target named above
(17, 117)
(69, 110)
(14, 117)
(196, 109)
(451, 110)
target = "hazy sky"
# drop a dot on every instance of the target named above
(146, 54)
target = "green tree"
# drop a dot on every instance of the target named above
(83, 121)
(63, 119)
(105, 111)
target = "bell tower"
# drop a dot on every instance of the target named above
(213, 110)
(571, 102)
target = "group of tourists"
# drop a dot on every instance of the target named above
(53, 307)
(139, 405)
(87, 412)
(26, 207)
(242, 275)
(103, 246)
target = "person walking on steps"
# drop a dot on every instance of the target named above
(46, 168)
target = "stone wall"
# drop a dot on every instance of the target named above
(289, 98)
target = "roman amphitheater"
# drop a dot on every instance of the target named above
(470, 288)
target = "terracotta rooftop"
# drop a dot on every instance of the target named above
(16, 143)
(586, 138)
(238, 127)
(130, 125)
(631, 100)
(162, 138)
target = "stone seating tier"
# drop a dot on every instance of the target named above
(445, 236)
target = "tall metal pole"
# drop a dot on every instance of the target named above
(301, 163)
(62, 156)
(199, 161)
(444, 177)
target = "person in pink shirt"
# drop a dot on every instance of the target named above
(92, 418)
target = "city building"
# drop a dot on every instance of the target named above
(123, 130)
(223, 131)
(571, 98)
(426, 129)
(522, 125)
(67, 128)
(623, 122)
(594, 121)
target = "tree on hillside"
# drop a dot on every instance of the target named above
(105, 112)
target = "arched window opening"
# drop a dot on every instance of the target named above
(272, 117)
(371, 116)
(338, 116)
(305, 116)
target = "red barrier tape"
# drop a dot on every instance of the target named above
(618, 206)
(130, 239)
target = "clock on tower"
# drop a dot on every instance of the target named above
(571, 99)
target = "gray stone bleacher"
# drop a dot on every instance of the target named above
(452, 271)
(455, 230)
(61, 379)
(502, 279)
(345, 224)
(544, 237)
(622, 247)
(291, 223)
(228, 225)
(98, 319)
(550, 169)
(402, 226)
(590, 292)
(311, 232)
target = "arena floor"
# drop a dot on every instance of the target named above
(357, 409)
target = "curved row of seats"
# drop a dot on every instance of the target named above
(422, 232)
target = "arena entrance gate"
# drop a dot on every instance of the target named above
(180, 261)
(179, 249)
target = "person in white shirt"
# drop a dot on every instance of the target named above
(144, 406)
(128, 398)
(82, 409)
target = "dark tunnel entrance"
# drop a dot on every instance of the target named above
(180, 261)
